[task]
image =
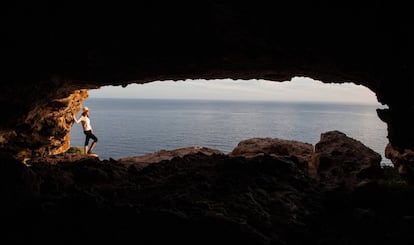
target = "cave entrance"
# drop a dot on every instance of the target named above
(145, 118)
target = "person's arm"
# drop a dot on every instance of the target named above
(76, 120)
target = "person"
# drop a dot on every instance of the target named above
(87, 129)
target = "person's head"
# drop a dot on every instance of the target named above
(85, 111)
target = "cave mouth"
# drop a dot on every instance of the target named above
(166, 115)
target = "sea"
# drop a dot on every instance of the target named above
(133, 127)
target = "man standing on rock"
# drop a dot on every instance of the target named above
(87, 129)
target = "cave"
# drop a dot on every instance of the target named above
(46, 61)
(53, 53)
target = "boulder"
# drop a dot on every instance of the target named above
(297, 151)
(341, 161)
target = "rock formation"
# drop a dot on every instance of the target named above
(53, 53)
(163, 155)
(45, 130)
(299, 152)
(402, 160)
(342, 161)
(198, 195)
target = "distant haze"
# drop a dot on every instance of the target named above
(298, 89)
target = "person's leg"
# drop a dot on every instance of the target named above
(85, 148)
(92, 146)
(95, 139)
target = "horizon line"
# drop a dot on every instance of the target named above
(247, 100)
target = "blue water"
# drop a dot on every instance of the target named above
(131, 127)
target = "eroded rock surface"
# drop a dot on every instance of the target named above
(342, 161)
(403, 160)
(45, 130)
(299, 152)
(145, 160)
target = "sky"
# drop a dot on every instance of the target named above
(298, 89)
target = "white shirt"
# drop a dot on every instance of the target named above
(86, 122)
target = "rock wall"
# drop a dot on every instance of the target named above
(45, 130)
(50, 51)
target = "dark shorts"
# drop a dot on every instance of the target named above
(90, 135)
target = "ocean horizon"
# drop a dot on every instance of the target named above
(133, 127)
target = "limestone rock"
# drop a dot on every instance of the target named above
(297, 151)
(45, 130)
(144, 160)
(340, 161)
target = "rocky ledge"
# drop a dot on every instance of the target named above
(261, 193)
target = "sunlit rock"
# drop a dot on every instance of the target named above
(45, 130)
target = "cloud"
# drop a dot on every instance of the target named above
(298, 89)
